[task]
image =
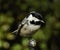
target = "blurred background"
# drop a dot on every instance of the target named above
(13, 11)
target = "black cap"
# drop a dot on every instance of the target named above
(37, 15)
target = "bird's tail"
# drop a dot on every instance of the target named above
(15, 32)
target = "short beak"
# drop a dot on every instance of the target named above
(42, 21)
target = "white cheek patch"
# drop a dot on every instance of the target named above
(30, 18)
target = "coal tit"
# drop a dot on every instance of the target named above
(30, 24)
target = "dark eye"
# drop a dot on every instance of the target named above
(32, 22)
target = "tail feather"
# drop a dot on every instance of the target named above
(15, 32)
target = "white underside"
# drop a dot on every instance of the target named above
(28, 29)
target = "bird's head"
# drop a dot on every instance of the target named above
(36, 18)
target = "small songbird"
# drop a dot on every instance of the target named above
(30, 24)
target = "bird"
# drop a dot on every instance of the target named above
(30, 24)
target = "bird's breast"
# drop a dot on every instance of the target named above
(28, 29)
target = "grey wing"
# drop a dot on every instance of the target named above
(22, 23)
(16, 31)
